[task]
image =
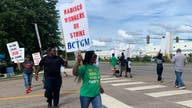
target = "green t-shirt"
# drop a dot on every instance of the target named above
(91, 80)
(113, 61)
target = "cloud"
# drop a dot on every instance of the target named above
(124, 46)
(167, 27)
(124, 34)
(156, 31)
(98, 43)
(184, 29)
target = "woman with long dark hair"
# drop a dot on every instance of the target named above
(91, 86)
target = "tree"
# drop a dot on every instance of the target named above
(17, 18)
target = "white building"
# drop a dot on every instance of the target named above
(152, 50)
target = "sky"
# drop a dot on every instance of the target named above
(118, 23)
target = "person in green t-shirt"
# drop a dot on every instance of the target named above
(91, 86)
(113, 63)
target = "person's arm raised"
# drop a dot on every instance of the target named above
(75, 67)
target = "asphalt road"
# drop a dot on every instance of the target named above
(141, 91)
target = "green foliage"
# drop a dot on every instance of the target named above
(17, 18)
(190, 58)
(146, 59)
(136, 59)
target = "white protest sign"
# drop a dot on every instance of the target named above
(36, 58)
(75, 25)
(13, 49)
(21, 56)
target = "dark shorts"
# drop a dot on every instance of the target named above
(128, 70)
(116, 71)
(122, 68)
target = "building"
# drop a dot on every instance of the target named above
(152, 50)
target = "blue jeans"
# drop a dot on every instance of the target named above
(96, 101)
(27, 79)
(179, 81)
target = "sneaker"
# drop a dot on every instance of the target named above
(182, 87)
(27, 90)
(176, 86)
(131, 76)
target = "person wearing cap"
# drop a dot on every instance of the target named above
(27, 67)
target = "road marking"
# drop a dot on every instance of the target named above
(145, 87)
(129, 83)
(168, 93)
(105, 76)
(122, 80)
(104, 79)
(111, 102)
(36, 95)
(187, 103)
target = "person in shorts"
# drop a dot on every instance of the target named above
(128, 67)
(113, 63)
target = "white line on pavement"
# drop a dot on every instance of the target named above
(145, 87)
(111, 102)
(187, 103)
(111, 81)
(129, 83)
(103, 79)
(105, 76)
(168, 93)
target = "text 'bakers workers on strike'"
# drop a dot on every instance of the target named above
(74, 9)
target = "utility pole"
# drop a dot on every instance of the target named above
(38, 38)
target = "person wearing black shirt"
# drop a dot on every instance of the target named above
(159, 61)
(51, 64)
(123, 63)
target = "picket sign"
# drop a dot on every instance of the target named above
(75, 26)
(36, 58)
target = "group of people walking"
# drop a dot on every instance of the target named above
(52, 66)
(90, 74)
(120, 65)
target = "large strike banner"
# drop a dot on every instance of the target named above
(75, 26)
